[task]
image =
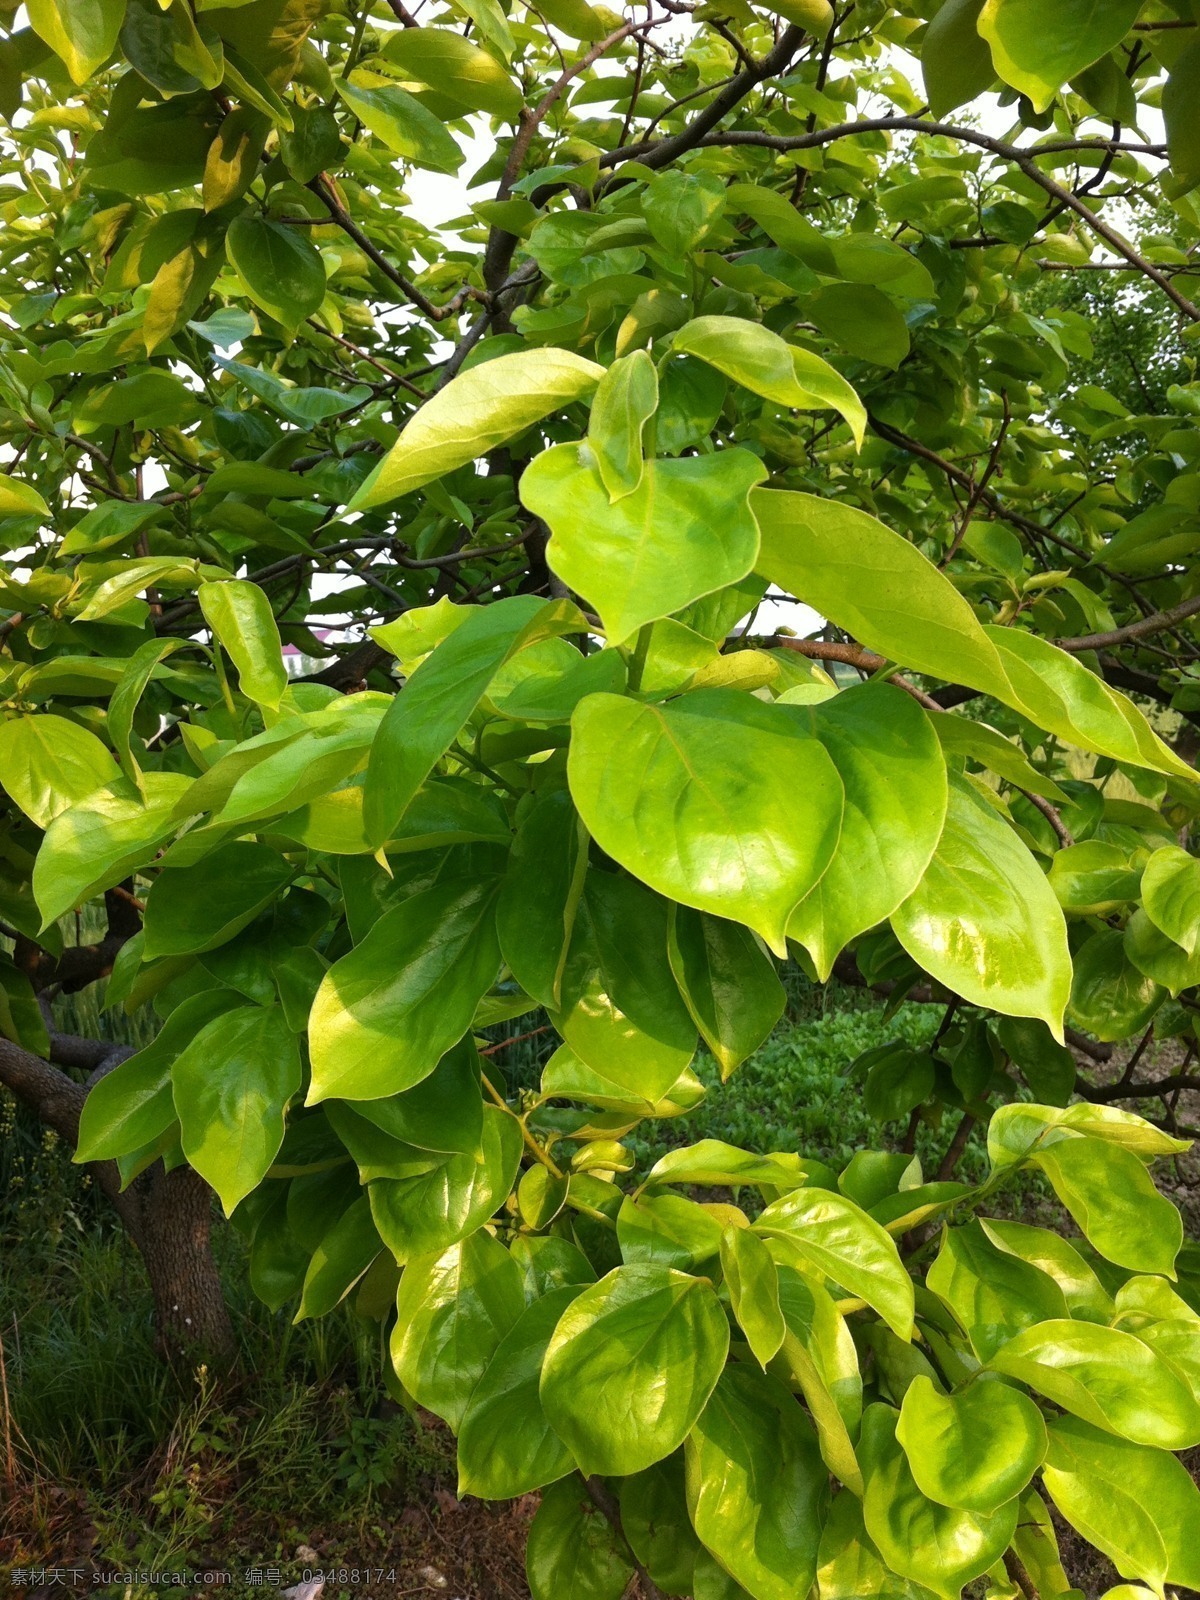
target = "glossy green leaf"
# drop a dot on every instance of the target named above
(818, 1356)
(1113, 1199)
(767, 365)
(1158, 957)
(625, 399)
(1085, 1295)
(1171, 895)
(240, 616)
(403, 124)
(983, 920)
(684, 531)
(49, 764)
(132, 1105)
(1094, 877)
(480, 409)
(345, 1253)
(425, 1213)
(630, 1367)
(452, 1311)
(955, 62)
(82, 33)
(940, 1546)
(756, 1484)
(654, 1519)
(728, 984)
(443, 1113)
(198, 907)
(890, 761)
(873, 583)
(1136, 1504)
(1108, 1378)
(231, 1086)
(387, 1012)
(975, 1448)
(506, 1447)
(993, 1294)
(1110, 996)
(573, 1549)
(849, 1566)
(1037, 52)
(281, 270)
(827, 1233)
(753, 1283)
(621, 1012)
(696, 798)
(425, 717)
(535, 913)
(19, 499)
(454, 66)
(712, 1162)
(102, 838)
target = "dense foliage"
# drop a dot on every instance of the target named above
(732, 313)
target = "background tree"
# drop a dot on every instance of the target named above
(738, 307)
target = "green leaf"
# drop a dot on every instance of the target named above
(622, 1013)
(1157, 957)
(1037, 51)
(1086, 1297)
(713, 1162)
(753, 1283)
(280, 269)
(49, 764)
(387, 1012)
(102, 838)
(1057, 691)
(82, 33)
(680, 207)
(475, 412)
(783, 223)
(240, 616)
(1171, 895)
(573, 1549)
(828, 1234)
(683, 532)
(1094, 878)
(697, 798)
(131, 1106)
(313, 145)
(425, 717)
(818, 1356)
(444, 1112)
(955, 62)
(756, 1485)
(876, 586)
(631, 1365)
(940, 1546)
(1136, 1504)
(1113, 1199)
(506, 1447)
(540, 896)
(452, 1311)
(455, 67)
(626, 397)
(654, 1518)
(862, 321)
(767, 365)
(1110, 996)
(425, 1213)
(1021, 1129)
(992, 750)
(1047, 1067)
(891, 764)
(1182, 119)
(403, 124)
(19, 499)
(849, 1564)
(974, 1449)
(983, 920)
(195, 908)
(1108, 1378)
(231, 1086)
(342, 1258)
(233, 157)
(728, 983)
(994, 1295)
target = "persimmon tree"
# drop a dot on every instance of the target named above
(520, 366)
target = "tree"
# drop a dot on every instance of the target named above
(741, 305)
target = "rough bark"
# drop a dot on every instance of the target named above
(166, 1214)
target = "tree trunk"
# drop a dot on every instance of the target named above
(168, 1215)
